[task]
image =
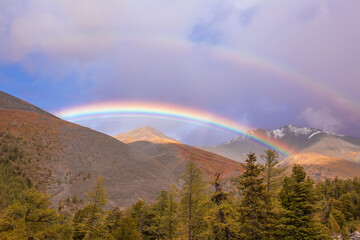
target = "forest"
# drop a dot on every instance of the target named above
(265, 202)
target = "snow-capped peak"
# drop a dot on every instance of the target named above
(301, 130)
(279, 133)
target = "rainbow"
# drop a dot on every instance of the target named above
(168, 112)
(285, 73)
(195, 116)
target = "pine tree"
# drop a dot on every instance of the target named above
(159, 209)
(193, 201)
(220, 215)
(89, 223)
(298, 199)
(127, 230)
(121, 227)
(32, 219)
(165, 209)
(171, 217)
(252, 207)
(272, 171)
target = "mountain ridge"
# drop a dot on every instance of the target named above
(308, 144)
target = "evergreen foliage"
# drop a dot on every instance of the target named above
(89, 223)
(32, 219)
(221, 214)
(272, 172)
(121, 227)
(259, 204)
(12, 182)
(253, 217)
(194, 201)
(299, 200)
(165, 221)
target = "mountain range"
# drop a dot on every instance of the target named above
(62, 158)
(323, 154)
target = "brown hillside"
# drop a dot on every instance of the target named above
(320, 167)
(62, 159)
(174, 154)
(328, 157)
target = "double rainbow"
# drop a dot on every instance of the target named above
(195, 116)
(169, 112)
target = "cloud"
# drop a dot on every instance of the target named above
(322, 119)
(184, 52)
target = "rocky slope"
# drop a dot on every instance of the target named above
(62, 158)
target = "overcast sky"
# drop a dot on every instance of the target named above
(261, 63)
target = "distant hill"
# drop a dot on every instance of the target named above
(297, 138)
(174, 154)
(323, 154)
(62, 158)
(145, 134)
(329, 156)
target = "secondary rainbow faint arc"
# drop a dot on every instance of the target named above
(166, 111)
(276, 68)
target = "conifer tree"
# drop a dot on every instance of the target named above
(89, 222)
(165, 209)
(127, 230)
(273, 175)
(221, 214)
(32, 219)
(193, 201)
(121, 227)
(272, 171)
(253, 215)
(298, 199)
(171, 217)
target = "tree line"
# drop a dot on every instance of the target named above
(261, 203)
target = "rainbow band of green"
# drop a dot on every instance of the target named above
(167, 112)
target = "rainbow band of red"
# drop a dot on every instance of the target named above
(168, 112)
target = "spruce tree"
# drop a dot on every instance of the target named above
(272, 171)
(193, 201)
(299, 200)
(221, 214)
(253, 214)
(273, 175)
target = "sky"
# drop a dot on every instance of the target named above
(261, 63)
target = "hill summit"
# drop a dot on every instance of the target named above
(145, 134)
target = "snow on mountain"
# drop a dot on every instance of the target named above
(314, 134)
(290, 129)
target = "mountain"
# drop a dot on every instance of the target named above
(174, 154)
(323, 154)
(145, 134)
(329, 156)
(62, 158)
(296, 138)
